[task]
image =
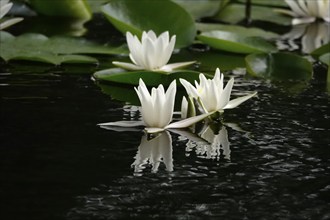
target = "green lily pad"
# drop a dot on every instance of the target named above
(159, 16)
(235, 13)
(242, 31)
(277, 3)
(232, 42)
(279, 66)
(63, 8)
(200, 8)
(321, 50)
(121, 76)
(54, 50)
(325, 58)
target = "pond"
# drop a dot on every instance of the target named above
(269, 159)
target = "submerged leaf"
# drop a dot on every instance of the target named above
(234, 13)
(65, 8)
(118, 75)
(242, 31)
(232, 42)
(55, 50)
(279, 66)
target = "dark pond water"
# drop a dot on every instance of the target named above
(57, 164)
(271, 161)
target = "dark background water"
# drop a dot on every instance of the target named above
(55, 163)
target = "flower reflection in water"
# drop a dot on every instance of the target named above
(152, 152)
(312, 37)
(214, 143)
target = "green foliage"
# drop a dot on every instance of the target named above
(159, 16)
(63, 8)
(118, 75)
(234, 13)
(55, 50)
(233, 42)
(279, 66)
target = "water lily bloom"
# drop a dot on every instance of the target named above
(307, 11)
(211, 95)
(157, 110)
(5, 6)
(152, 53)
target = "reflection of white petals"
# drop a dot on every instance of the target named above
(153, 152)
(151, 53)
(217, 144)
(312, 36)
(307, 11)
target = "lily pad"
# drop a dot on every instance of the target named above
(321, 50)
(242, 31)
(63, 8)
(325, 58)
(235, 13)
(235, 43)
(200, 8)
(159, 16)
(54, 50)
(278, 3)
(279, 66)
(121, 76)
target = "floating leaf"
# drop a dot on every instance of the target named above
(63, 8)
(242, 31)
(235, 13)
(321, 50)
(55, 50)
(210, 60)
(159, 16)
(325, 58)
(232, 42)
(278, 3)
(279, 66)
(118, 75)
(200, 8)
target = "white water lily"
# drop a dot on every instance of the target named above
(211, 95)
(152, 53)
(307, 11)
(157, 110)
(5, 6)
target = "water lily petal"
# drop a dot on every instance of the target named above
(236, 102)
(170, 67)
(9, 22)
(153, 130)
(188, 121)
(168, 50)
(5, 9)
(128, 66)
(122, 124)
(295, 7)
(191, 90)
(304, 20)
(225, 95)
